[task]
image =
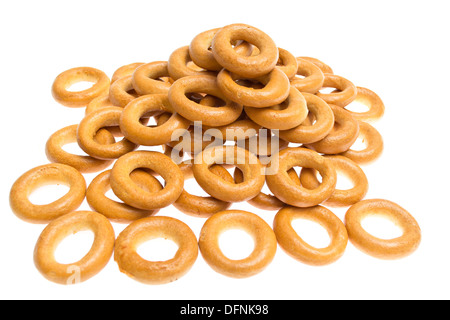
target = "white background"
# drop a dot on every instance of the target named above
(399, 49)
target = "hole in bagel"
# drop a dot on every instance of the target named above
(158, 249)
(48, 194)
(357, 106)
(73, 148)
(311, 232)
(80, 86)
(381, 227)
(236, 244)
(328, 90)
(74, 247)
(359, 145)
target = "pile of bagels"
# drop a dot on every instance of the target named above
(257, 109)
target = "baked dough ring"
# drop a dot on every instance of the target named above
(145, 78)
(257, 261)
(134, 131)
(313, 77)
(263, 200)
(322, 66)
(290, 114)
(88, 266)
(343, 135)
(84, 164)
(222, 189)
(116, 211)
(287, 63)
(204, 58)
(125, 71)
(340, 198)
(76, 99)
(374, 148)
(122, 92)
(89, 126)
(246, 66)
(179, 65)
(203, 207)
(275, 89)
(296, 247)
(371, 100)
(209, 116)
(53, 173)
(132, 194)
(156, 272)
(346, 90)
(380, 248)
(288, 191)
(307, 133)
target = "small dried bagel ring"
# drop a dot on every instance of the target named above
(313, 77)
(122, 92)
(287, 115)
(88, 266)
(307, 133)
(322, 66)
(288, 191)
(134, 131)
(132, 194)
(209, 116)
(77, 99)
(204, 58)
(125, 71)
(300, 250)
(381, 248)
(263, 200)
(116, 211)
(84, 164)
(340, 198)
(275, 90)
(53, 173)
(145, 79)
(371, 100)
(204, 207)
(88, 128)
(156, 272)
(343, 135)
(374, 145)
(245, 66)
(262, 234)
(346, 90)
(222, 189)
(287, 63)
(179, 65)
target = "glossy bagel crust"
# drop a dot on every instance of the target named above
(53, 173)
(307, 132)
(121, 92)
(156, 272)
(381, 248)
(246, 66)
(84, 164)
(125, 71)
(343, 135)
(262, 234)
(322, 66)
(209, 116)
(138, 133)
(222, 189)
(117, 211)
(145, 78)
(132, 194)
(179, 65)
(288, 191)
(77, 99)
(374, 145)
(88, 266)
(345, 94)
(275, 89)
(372, 101)
(350, 169)
(313, 77)
(89, 126)
(296, 247)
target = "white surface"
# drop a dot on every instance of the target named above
(399, 49)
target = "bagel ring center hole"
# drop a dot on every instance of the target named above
(158, 249)
(381, 227)
(236, 244)
(311, 232)
(74, 247)
(47, 194)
